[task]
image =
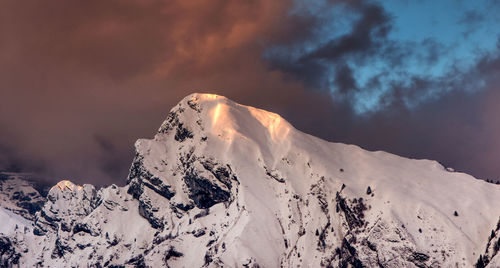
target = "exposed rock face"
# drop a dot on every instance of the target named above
(9, 257)
(192, 180)
(65, 202)
(139, 177)
(20, 195)
(223, 184)
(492, 248)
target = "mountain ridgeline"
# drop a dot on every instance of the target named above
(227, 185)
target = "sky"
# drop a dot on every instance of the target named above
(80, 81)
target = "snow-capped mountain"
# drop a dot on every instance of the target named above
(223, 184)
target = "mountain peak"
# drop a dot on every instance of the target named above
(66, 185)
(204, 96)
(224, 184)
(226, 119)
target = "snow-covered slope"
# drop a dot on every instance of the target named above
(222, 184)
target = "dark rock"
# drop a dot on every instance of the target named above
(420, 257)
(60, 249)
(65, 227)
(172, 253)
(83, 227)
(137, 168)
(203, 213)
(135, 189)
(38, 231)
(322, 236)
(160, 239)
(371, 246)
(354, 217)
(145, 210)
(4, 177)
(31, 207)
(184, 207)
(171, 121)
(208, 258)
(481, 262)
(113, 242)
(139, 177)
(203, 192)
(199, 232)
(193, 104)
(274, 175)
(163, 190)
(137, 261)
(81, 246)
(8, 254)
(348, 256)
(155, 181)
(20, 196)
(49, 218)
(182, 133)
(221, 173)
(42, 221)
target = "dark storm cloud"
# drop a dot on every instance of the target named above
(472, 17)
(367, 37)
(81, 81)
(365, 66)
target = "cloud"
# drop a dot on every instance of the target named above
(78, 77)
(81, 81)
(370, 60)
(326, 59)
(472, 17)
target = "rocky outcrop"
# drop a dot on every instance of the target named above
(20, 194)
(9, 257)
(66, 202)
(492, 248)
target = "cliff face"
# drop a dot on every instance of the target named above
(222, 184)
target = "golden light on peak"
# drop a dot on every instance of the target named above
(216, 114)
(210, 96)
(273, 122)
(65, 184)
